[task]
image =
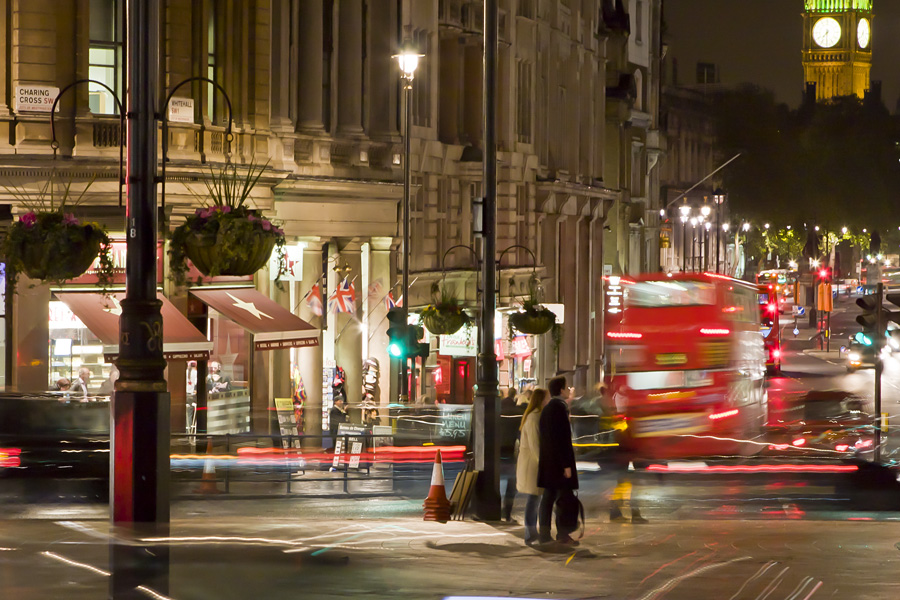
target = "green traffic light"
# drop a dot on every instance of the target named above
(395, 349)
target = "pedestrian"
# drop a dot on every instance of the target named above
(336, 416)
(62, 385)
(556, 465)
(510, 416)
(80, 385)
(216, 380)
(109, 385)
(527, 461)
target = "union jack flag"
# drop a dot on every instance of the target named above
(343, 299)
(314, 300)
(390, 303)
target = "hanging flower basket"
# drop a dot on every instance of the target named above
(230, 255)
(55, 247)
(443, 320)
(226, 237)
(445, 315)
(533, 320)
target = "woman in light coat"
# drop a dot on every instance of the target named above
(527, 462)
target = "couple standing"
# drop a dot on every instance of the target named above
(545, 470)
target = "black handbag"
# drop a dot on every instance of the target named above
(569, 511)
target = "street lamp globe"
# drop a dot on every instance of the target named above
(693, 221)
(683, 218)
(746, 227)
(844, 230)
(705, 210)
(766, 225)
(707, 225)
(685, 210)
(662, 212)
(408, 59)
(817, 227)
(724, 226)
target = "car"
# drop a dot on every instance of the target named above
(829, 424)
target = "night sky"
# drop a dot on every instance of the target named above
(759, 41)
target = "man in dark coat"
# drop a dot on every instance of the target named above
(510, 418)
(556, 465)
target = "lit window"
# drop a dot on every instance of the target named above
(105, 55)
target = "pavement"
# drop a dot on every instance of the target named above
(700, 543)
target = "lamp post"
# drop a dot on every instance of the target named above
(694, 221)
(719, 199)
(408, 59)
(685, 211)
(705, 211)
(725, 228)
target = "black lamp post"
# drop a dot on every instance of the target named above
(719, 198)
(685, 211)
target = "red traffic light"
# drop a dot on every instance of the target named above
(823, 273)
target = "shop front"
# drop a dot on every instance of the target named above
(242, 323)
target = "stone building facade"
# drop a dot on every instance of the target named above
(312, 90)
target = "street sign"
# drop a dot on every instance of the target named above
(181, 110)
(35, 98)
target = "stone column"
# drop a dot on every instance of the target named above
(350, 32)
(348, 334)
(310, 359)
(380, 268)
(281, 65)
(382, 76)
(309, 68)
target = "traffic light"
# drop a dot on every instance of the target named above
(398, 333)
(414, 347)
(869, 318)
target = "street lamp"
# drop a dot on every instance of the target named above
(408, 59)
(844, 230)
(694, 221)
(719, 199)
(746, 227)
(685, 211)
(707, 226)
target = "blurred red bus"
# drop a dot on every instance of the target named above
(686, 366)
(770, 326)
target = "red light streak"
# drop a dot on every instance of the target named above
(757, 469)
(722, 415)
(624, 335)
(714, 331)
(799, 442)
(9, 457)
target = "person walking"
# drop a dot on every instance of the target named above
(509, 435)
(556, 465)
(336, 416)
(527, 462)
(80, 385)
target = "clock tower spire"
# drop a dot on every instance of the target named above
(837, 46)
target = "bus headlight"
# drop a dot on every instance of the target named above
(854, 356)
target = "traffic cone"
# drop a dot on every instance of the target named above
(208, 482)
(437, 507)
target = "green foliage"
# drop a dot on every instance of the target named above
(445, 314)
(833, 164)
(51, 244)
(227, 224)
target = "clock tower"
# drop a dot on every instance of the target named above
(837, 46)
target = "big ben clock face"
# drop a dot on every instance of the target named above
(863, 33)
(826, 32)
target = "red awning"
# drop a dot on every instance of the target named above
(100, 314)
(272, 325)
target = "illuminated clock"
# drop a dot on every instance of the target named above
(826, 32)
(863, 33)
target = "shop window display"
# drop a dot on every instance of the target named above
(74, 350)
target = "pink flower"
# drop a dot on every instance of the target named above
(279, 231)
(266, 225)
(199, 212)
(226, 210)
(206, 213)
(69, 219)
(251, 217)
(28, 219)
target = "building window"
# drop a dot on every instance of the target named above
(327, 54)
(639, 22)
(523, 102)
(526, 9)
(105, 55)
(421, 92)
(212, 65)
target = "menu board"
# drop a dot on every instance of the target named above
(287, 422)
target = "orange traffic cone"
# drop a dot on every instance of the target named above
(208, 482)
(437, 507)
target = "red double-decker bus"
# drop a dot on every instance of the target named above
(686, 366)
(770, 326)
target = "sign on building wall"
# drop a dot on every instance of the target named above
(461, 343)
(35, 98)
(181, 110)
